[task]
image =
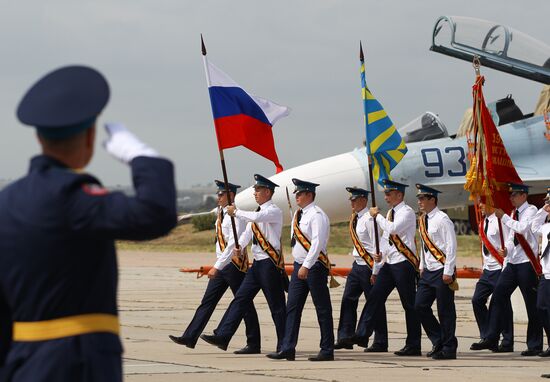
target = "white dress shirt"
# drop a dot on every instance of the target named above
(540, 228)
(516, 254)
(315, 225)
(365, 233)
(270, 221)
(224, 258)
(493, 235)
(403, 225)
(442, 232)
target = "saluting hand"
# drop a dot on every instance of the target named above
(231, 209)
(546, 207)
(374, 211)
(302, 273)
(499, 213)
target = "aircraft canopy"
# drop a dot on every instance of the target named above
(498, 46)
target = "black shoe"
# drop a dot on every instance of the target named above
(435, 349)
(545, 353)
(444, 355)
(215, 340)
(183, 341)
(321, 357)
(408, 351)
(288, 355)
(476, 345)
(487, 344)
(376, 348)
(530, 352)
(360, 341)
(248, 350)
(345, 343)
(504, 349)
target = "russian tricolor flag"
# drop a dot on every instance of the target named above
(242, 119)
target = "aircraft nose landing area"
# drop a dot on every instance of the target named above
(156, 300)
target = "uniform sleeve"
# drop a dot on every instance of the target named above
(225, 257)
(401, 224)
(523, 226)
(317, 238)
(246, 236)
(267, 215)
(6, 325)
(448, 233)
(538, 222)
(149, 214)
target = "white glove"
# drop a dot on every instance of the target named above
(124, 145)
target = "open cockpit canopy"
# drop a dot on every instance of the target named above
(498, 46)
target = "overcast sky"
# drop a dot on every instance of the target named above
(303, 54)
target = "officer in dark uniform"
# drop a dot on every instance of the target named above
(58, 278)
(228, 272)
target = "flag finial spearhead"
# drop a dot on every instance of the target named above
(203, 48)
(361, 56)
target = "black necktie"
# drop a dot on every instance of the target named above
(547, 249)
(254, 241)
(516, 217)
(392, 216)
(426, 225)
(293, 239)
(485, 250)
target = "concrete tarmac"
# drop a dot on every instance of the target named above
(156, 300)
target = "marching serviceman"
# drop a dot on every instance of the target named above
(58, 227)
(358, 282)
(309, 233)
(437, 275)
(522, 270)
(228, 272)
(399, 267)
(541, 227)
(493, 262)
(264, 228)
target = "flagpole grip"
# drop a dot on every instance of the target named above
(373, 199)
(500, 233)
(229, 201)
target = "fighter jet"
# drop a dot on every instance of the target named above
(434, 157)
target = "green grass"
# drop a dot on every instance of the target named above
(184, 239)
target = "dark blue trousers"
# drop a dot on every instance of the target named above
(403, 277)
(484, 288)
(543, 305)
(262, 275)
(511, 277)
(228, 277)
(298, 290)
(86, 358)
(432, 288)
(358, 283)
